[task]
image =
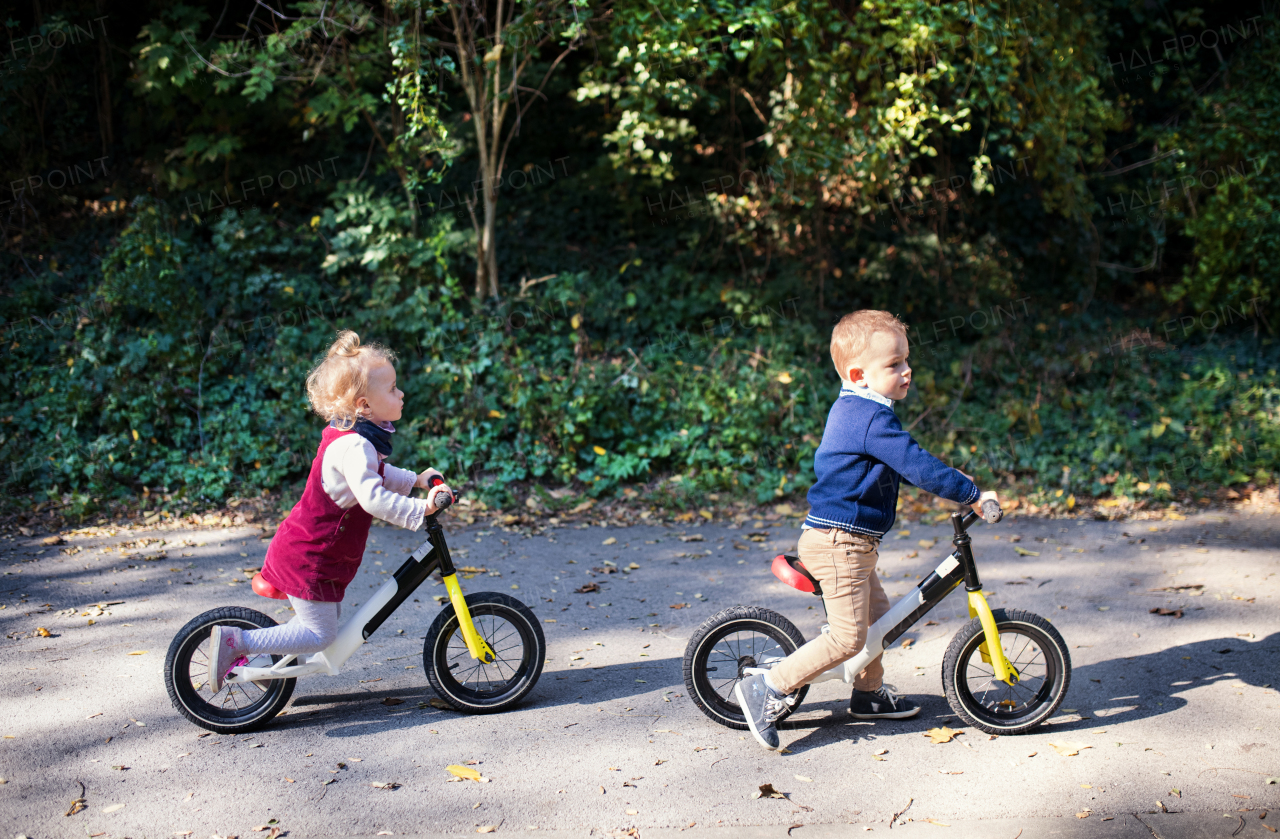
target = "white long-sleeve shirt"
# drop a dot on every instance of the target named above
(349, 475)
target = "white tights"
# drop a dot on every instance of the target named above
(313, 628)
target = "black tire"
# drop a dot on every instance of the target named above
(1035, 649)
(506, 625)
(186, 676)
(714, 645)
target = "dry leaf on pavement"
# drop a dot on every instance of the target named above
(1158, 610)
(1069, 749)
(942, 735)
(466, 773)
(391, 700)
(803, 778)
(612, 540)
(488, 828)
(385, 785)
(588, 588)
(1025, 552)
(767, 791)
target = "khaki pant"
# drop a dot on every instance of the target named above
(845, 564)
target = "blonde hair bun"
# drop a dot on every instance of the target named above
(347, 345)
(334, 385)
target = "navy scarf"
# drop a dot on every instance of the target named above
(380, 437)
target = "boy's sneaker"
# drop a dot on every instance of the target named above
(762, 706)
(882, 704)
(226, 650)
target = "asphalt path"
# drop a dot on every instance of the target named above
(1177, 714)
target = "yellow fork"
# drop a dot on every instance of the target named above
(475, 644)
(990, 649)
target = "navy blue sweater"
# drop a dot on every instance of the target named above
(863, 454)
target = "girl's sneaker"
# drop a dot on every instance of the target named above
(226, 650)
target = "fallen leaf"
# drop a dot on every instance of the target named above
(942, 735)
(113, 808)
(633, 812)
(326, 783)
(391, 700)
(464, 772)
(679, 605)
(264, 827)
(385, 785)
(1159, 610)
(488, 828)
(803, 778)
(880, 752)
(1069, 749)
(1025, 552)
(1083, 815)
(42, 632)
(927, 543)
(588, 588)
(695, 537)
(767, 791)
(612, 540)
(138, 652)
(938, 823)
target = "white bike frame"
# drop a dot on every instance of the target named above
(430, 556)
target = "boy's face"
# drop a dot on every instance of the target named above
(884, 366)
(383, 399)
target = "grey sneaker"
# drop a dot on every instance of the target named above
(226, 650)
(762, 707)
(882, 704)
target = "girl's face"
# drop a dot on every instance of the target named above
(382, 401)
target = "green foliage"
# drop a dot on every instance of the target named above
(156, 347)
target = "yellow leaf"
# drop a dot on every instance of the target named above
(1025, 552)
(496, 414)
(927, 543)
(803, 778)
(135, 435)
(942, 735)
(464, 772)
(488, 828)
(1110, 502)
(1071, 502)
(612, 540)
(938, 823)
(706, 514)
(785, 378)
(1069, 749)
(575, 321)
(42, 632)
(1143, 486)
(1175, 516)
(598, 450)
(138, 652)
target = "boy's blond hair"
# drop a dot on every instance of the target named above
(334, 385)
(852, 336)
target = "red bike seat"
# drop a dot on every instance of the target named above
(791, 571)
(265, 589)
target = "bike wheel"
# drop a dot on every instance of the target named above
(724, 646)
(237, 707)
(1034, 648)
(513, 633)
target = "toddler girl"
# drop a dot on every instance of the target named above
(319, 546)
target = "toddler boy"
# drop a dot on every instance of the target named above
(863, 454)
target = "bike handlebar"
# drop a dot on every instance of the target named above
(444, 498)
(991, 513)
